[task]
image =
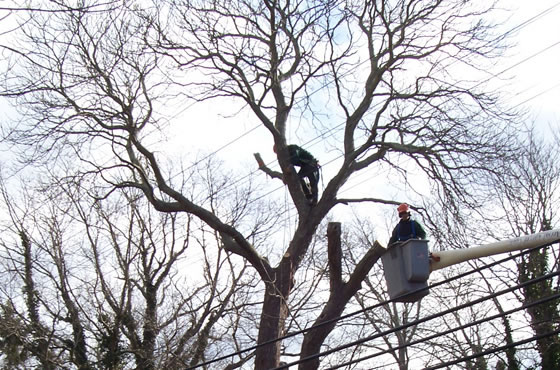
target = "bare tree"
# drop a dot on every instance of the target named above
(104, 285)
(529, 197)
(522, 202)
(390, 317)
(98, 77)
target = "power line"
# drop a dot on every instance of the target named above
(540, 93)
(532, 19)
(380, 304)
(451, 330)
(423, 320)
(494, 350)
(526, 59)
(510, 31)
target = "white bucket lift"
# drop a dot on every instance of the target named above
(407, 268)
(408, 265)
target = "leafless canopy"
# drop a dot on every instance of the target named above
(402, 82)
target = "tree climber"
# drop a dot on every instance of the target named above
(407, 228)
(309, 168)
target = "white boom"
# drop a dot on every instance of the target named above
(447, 258)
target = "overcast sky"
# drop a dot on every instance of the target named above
(532, 69)
(532, 65)
(537, 79)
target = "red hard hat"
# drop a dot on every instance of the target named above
(402, 208)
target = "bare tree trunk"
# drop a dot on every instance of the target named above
(542, 316)
(77, 345)
(512, 363)
(150, 329)
(510, 352)
(40, 348)
(273, 316)
(340, 294)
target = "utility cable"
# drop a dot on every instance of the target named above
(540, 93)
(380, 304)
(494, 350)
(422, 320)
(532, 19)
(534, 55)
(451, 330)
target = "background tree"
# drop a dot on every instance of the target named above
(111, 283)
(96, 80)
(521, 202)
(529, 197)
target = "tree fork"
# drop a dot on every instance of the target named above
(340, 294)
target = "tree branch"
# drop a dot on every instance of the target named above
(263, 167)
(335, 255)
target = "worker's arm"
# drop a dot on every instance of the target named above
(420, 230)
(393, 237)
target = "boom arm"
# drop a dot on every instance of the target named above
(451, 257)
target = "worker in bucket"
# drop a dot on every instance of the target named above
(407, 228)
(309, 169)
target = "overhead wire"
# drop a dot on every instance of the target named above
(370, 308)
(528, 58)
(494, 350)
(503, 71)
(540, 93)
(464, 326)
(533, 19)
(467, 357)
(510, 31)
(423, 320)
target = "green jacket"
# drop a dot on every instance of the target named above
(300, 157)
